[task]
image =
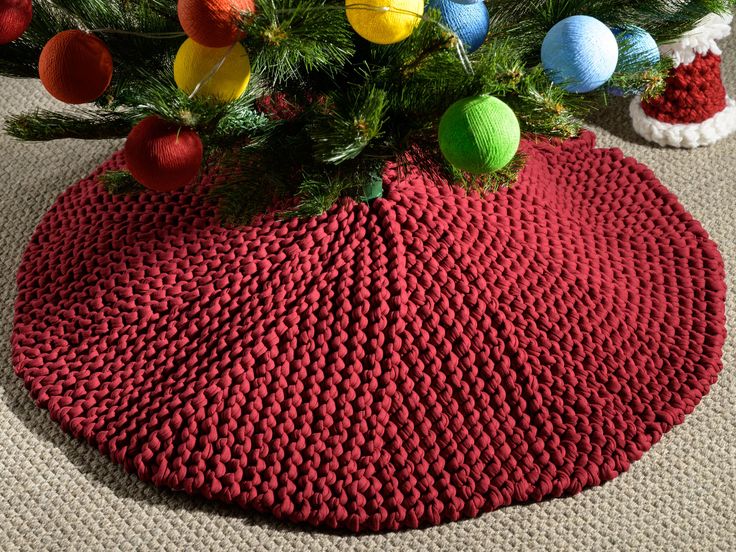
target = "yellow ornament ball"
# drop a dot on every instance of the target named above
(384, 21)
(194, 63)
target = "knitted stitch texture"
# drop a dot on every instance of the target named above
(427, 357)
(694, 110)
(694, 92)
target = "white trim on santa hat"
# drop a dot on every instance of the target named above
(685, 135)
(701, 40)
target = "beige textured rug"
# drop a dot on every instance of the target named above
(60, 494)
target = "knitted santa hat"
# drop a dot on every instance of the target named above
(694, 109)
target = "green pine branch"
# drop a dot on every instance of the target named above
(44, 125)
(120, 183)
(355, 105)
(294, 38)
(342, 131)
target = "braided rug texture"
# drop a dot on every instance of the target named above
(424, 358)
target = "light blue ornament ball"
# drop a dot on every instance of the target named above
(636, 47)
(637, 50)
(579, 54)
(469, 20)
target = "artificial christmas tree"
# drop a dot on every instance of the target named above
(333, 324)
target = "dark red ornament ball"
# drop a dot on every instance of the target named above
(212, 23)
(15, 16)
(162, 155)
(75, 67)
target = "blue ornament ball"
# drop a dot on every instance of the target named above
(637, 50)
(469, 20)
(579, 53)
(636, 47)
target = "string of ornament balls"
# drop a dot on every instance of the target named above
(478, 135)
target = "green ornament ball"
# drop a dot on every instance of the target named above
(479, 134)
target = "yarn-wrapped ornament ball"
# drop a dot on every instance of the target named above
(15, 16)
(637, 48)
(580, 53)
(426, 357)
(194, 64)
(468, 20)
(213, 23)
(479, 135)
(638, 51)
(162, 155)
(75, 67)
(384, 21)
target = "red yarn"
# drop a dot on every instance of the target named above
(694, 93)
(280, 106)
(15, 16)
(163, 156)
(427, 357)
(213, 23)
(75, 67)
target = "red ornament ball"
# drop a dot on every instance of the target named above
(15, 16)
(211, 23)
(75, 67)
(162, 155)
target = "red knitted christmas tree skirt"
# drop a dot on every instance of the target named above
(426, 357)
